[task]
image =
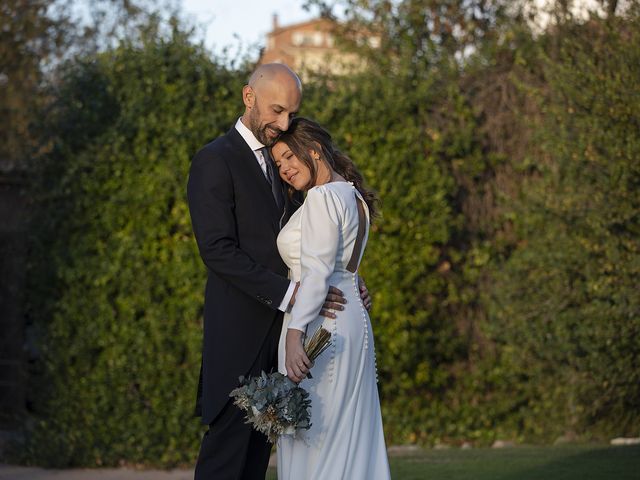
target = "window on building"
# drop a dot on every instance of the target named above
(297, 38)
(374, 42)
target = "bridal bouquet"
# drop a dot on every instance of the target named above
(275, 405)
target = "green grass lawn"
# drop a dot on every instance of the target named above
(570, 462)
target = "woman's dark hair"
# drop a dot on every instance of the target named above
(305, 135)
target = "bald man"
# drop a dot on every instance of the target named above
(238, 205)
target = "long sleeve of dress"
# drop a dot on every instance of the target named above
(321, 227)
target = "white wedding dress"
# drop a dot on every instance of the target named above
(345, 441)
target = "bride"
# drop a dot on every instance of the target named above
(322, 244)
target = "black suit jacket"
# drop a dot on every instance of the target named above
(235, 221)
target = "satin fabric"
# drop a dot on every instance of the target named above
(346, 439)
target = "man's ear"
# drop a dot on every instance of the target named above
(248, 96)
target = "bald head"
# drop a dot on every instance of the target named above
(271, 99)
(270, 73)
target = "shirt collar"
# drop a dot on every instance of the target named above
(248, 136)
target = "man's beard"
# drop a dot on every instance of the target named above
(261, 132)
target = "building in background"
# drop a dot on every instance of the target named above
(309, 46)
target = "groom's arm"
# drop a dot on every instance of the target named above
(211, 203)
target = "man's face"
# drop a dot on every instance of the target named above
(274, 107)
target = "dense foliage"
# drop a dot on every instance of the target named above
(566, 304)
(504, 267)
(117, 283)
(29, 38)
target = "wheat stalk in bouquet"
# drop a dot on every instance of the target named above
(274, 404)
(318, 343)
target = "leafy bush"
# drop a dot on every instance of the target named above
(566, 304)
(117, 282)
(503, 268)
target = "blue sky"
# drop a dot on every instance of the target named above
(240, 24)
(243, 24)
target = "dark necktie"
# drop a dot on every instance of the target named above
(274, 179)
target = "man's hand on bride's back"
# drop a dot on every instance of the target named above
(364, 294)
(334, 302)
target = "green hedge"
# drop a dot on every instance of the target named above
(117, 283)
(502, 269)
(566, 306)
(413, 264)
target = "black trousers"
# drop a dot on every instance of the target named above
(231, 449)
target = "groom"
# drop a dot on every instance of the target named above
(238, 205)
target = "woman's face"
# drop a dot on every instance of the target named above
(291, 170)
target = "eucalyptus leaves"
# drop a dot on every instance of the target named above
(274, 404)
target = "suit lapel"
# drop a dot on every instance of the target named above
(255, 174)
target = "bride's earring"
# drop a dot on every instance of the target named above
(316, 158)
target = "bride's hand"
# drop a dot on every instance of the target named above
(297, 363)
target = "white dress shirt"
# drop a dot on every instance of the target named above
(256, 146)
